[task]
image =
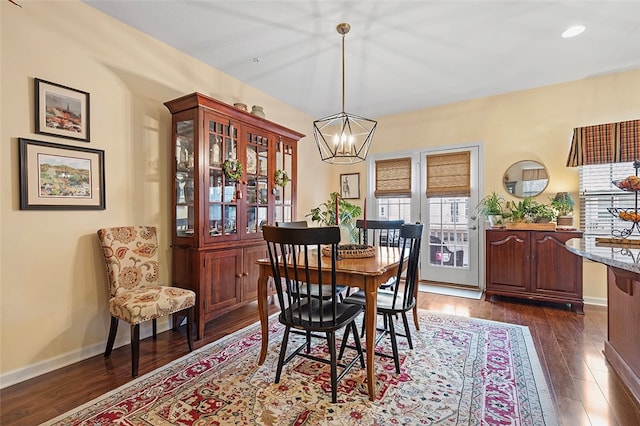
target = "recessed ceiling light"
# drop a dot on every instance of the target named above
(573, 31)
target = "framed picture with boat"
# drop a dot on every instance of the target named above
(61, 111)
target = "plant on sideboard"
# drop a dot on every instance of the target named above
(563, 204)
(530, 210)
(325, 214)
(492, 208)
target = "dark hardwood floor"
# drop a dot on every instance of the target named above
(585, 389)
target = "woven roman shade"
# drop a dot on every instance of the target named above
(448, 175)
(605, 143)
(534, 174)
(393, 178)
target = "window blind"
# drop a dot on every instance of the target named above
(597, 193)
(448, 175)
(393, 178)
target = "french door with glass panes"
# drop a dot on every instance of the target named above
(450, 248)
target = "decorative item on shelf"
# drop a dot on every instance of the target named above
(257, 110)
(351, 251)
(343, 138)
(232, 169)
(188, 191)
(240, 106)
(632, 184)
(281, 178)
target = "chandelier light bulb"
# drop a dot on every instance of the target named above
(573, 31)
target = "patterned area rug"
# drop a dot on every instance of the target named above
(461, 371)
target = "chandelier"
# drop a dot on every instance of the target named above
(343, 138)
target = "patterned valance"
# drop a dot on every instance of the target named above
(605, 143)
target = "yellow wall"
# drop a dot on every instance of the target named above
(52, 285)
(53, 289)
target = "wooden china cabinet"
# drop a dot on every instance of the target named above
(533, 265)
(223, 190)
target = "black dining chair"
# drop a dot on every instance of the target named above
(379, 232)
(385, 233)
(326, 291)
(296, 259)
(397, 301)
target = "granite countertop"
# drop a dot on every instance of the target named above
(623, 256)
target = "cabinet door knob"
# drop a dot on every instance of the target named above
(238, 275)
(244, 274)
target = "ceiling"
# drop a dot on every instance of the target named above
(399, 55)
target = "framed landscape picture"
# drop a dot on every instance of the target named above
(350, 186)
(60, 177)
(61, 111)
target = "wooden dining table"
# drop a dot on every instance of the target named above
(366, 273)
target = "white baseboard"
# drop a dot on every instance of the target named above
(598, 301)
(49, 365)
(472, 293)
(477, 294)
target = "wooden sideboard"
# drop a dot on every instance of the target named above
(534, 265)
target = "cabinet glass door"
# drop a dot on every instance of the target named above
(184, 179)
(221, 157)
(284, 194)
(257, 178)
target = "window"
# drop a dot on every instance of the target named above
(597, 194)
(394, 209)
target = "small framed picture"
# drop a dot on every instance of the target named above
(60, 177)
(350, 185)
(61, 111)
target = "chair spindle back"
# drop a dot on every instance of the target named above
(410, 240)
(379, 232)
(296, 260)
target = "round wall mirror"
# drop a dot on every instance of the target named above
(526, 179)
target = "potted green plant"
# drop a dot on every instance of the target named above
(563, 204)
(325, 214)
(491, 207)
(542, 213)
(523, 210)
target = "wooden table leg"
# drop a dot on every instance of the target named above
(371, 312)
(415, 307)
(263, 280)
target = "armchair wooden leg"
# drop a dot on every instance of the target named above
(135, 349)
(154, 325)
(113, 330)
(189, 327)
